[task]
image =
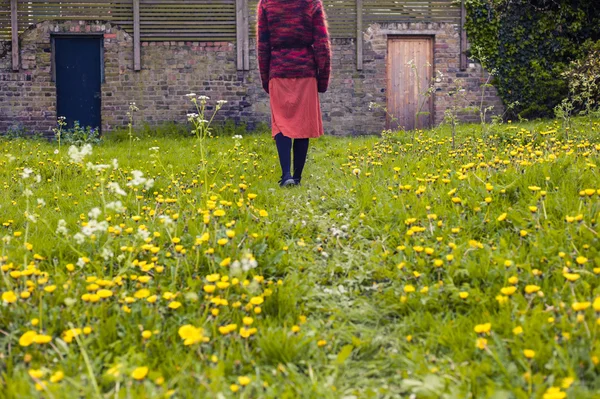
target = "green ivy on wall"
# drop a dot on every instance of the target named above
(529, 43)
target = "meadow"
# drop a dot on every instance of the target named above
(171, 266)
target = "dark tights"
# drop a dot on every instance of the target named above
(284, 148)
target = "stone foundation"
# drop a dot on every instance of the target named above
(170, 70)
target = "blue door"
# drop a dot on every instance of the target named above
(78, 63)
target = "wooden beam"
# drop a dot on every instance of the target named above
(239, 33)
(15, 35)
(245, 28)
(463, 36)
(137, 55)
(359, 35)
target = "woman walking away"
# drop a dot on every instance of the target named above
(294, 58)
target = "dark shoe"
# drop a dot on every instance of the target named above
(287, 181)
(297, 182)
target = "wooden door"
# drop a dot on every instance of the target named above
(78, 79)
(406, 84)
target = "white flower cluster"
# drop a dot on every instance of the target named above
(61, 229)
(96, 168)
(139, 180)
(91, 227)
(77, 154)
(142, 234)
(26, 173)
(116, 206)
(248, 262)
(106, 253)
(114, 188)
(339, 233)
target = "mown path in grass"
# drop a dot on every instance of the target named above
(400, 267)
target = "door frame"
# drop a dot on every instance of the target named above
(54, 36)
(387, 72)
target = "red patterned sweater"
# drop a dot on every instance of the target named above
(293, 41)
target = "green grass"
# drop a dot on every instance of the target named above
(336, 259)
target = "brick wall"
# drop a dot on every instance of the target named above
(172, 69)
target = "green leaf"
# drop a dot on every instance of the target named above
(344, 354)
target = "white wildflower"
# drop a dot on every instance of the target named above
(77, 154)
(26, 173)
(61, 229)
(106, 253)
(96, 168)
(236, 268)
(94, 213)
(237, 137)
(203, 98)
(221, 102)
(191, 95)
(94, 226)
(56, 151)
(41, 202)
(142, 234)
(27, 192)
(115, 163)
(79, 238)
(116, 206)
(38, 178)
(139, 180)
(80, 262)
(114, 187)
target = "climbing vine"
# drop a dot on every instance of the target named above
(530, 43)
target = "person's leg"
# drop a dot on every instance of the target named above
(284, 149)
(300, 151)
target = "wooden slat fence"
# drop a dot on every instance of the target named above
(194, 20)
(210, 20)
(341, 14)
(410, 11)
(5, 32)
(217, 20)
(34, 11)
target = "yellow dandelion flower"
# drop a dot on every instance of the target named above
(104, 293)
(572, 277)
(508, 290)
(483, 328)
(9, 297)
(481, 343)
(139, 373)
(57, 377)
(42, 339)
(141, 294)
(27, 338)
(581, 260)
(531, 289)
(517, 330)
(580, 306)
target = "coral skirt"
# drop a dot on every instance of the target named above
(295, 108)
